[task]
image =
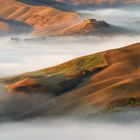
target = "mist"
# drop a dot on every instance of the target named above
(19, 57)
(122, 125)
(70, 130)
(127, 17)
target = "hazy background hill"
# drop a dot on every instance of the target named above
(78, 2)
(51, 3)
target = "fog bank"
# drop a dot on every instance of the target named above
(19, 57)
(22, 57)
(72, 130)
(16, 57)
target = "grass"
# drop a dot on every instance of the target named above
(62, 77)
(74, 66)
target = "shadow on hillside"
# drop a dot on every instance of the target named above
(16, 26)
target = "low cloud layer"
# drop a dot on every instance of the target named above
(21, 57)
(70, 130)
(122, 125)
(27, 56)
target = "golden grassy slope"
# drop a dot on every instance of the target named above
(44, 20)
(105, 80)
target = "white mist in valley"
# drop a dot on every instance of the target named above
(127, 17)
(24, 56)
(123, 125)
(71, 130)
(19, 57)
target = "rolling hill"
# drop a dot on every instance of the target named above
(42, 19)
(102, 82)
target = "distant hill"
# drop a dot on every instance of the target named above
(82, 2)
(107, 81)
(44, 20)
(50, 3)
